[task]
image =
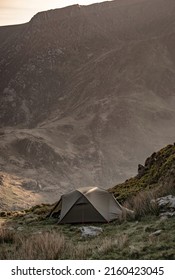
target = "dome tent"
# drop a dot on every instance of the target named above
(85, 205)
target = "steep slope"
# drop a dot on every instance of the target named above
(157, 172)
(17, 193)
(87, 92)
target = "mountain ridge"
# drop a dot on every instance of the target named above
(94, 91)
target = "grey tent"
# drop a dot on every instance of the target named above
(90, 204)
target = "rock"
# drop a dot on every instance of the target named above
(10, 228)
(150, 160)
(156, 233)
(3, 214)
(167, 214)
(37, 232)
(30, 185)
(90, 231)
(141, 171)
(20, 228)
(166, 204)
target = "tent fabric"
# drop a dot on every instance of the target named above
(90, 204)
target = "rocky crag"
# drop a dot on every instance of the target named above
(158, 173)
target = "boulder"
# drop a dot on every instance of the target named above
(166, 205)
(88, 231)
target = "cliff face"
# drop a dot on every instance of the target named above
(118, 48)
(87, 92)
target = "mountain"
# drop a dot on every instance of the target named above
(86, 93)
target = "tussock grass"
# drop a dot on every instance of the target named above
(108, 244)
(142, 203)
(48, 245)
(7, 236)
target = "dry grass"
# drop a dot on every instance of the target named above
(7, 236)
(53, 245)
(127, 240)
(79, 251)
(108, 244)
(48, 245)
(142, 204)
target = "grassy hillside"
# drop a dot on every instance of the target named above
(158, 173)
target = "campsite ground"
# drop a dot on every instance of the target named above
(28, 235)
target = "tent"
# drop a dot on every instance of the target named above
(90, 204)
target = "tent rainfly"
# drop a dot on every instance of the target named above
(84, 205)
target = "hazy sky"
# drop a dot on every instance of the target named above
(19, 11)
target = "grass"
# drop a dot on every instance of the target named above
(6, 236)
(45, 239)
(159, 169)
(142, 203)
(30, 235)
